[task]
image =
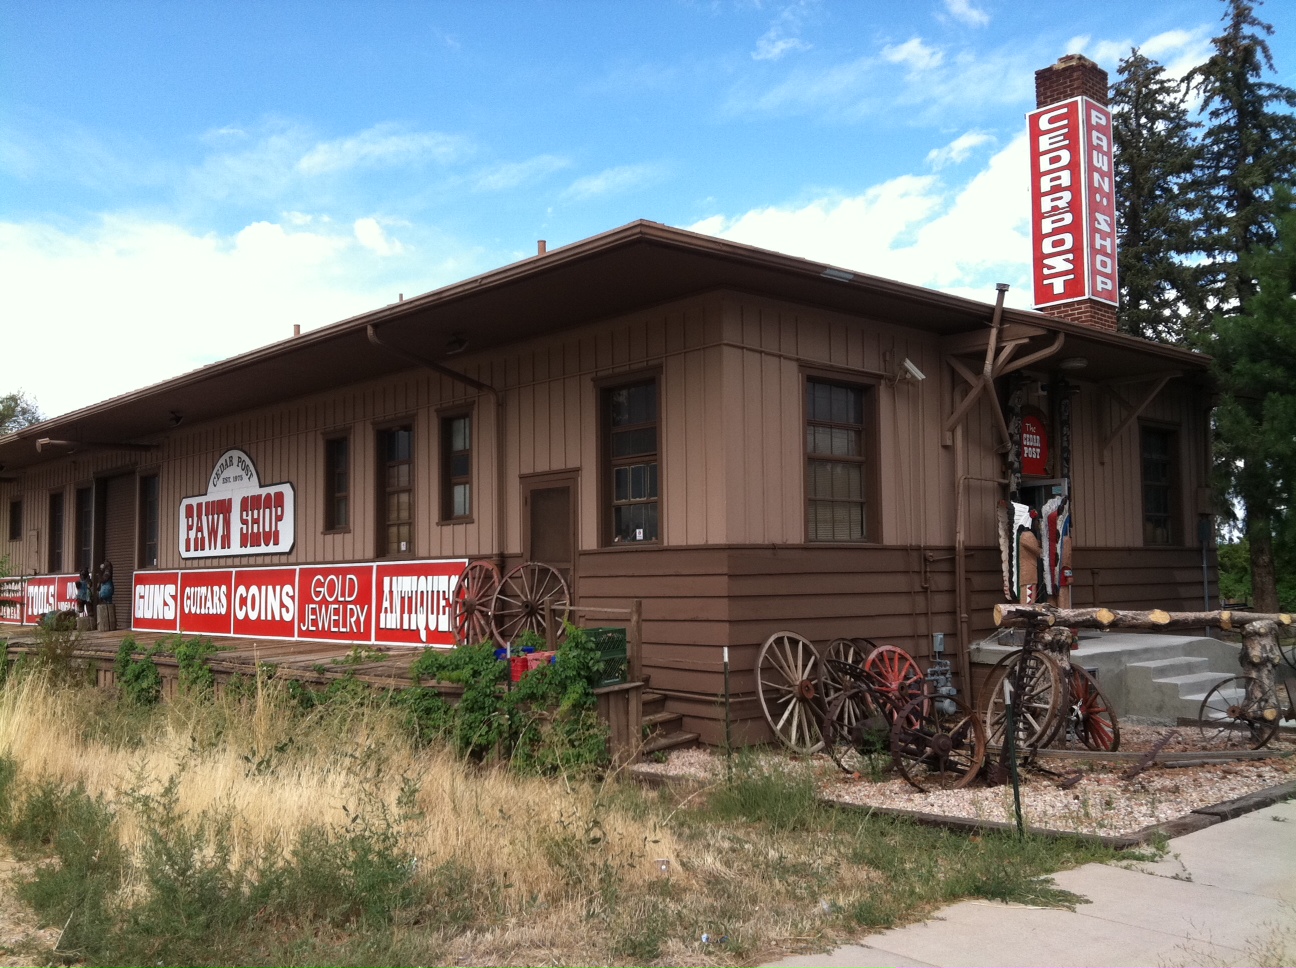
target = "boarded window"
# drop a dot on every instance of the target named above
(56, 532)
(396, 491)
(631, 444)
(149, 495)
(337, 483)
(456, 466)
(837, 461)
(15, 519)
(1160, 486)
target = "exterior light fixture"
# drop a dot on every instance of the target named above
(1073, 363)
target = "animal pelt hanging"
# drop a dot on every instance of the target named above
(1019, 549)
(1055, 515)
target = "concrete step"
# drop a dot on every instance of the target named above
(1173, 665)
(1193, 685)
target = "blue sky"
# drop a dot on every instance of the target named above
(200, 176)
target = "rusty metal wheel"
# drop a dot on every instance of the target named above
(788, 684)
(938, 743)
(893, 673)
(470, 610)
(519, 602)
(1226, 718)
(1090, 716)
(843, 693)
(1042, 696)
(856, 727)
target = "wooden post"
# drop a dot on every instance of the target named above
(551, 634)
(1259, 658)
(105, 618)
(1154, 620)
(634, 642)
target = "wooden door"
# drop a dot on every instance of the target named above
(549, 522)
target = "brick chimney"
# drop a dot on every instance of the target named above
(1074, 76)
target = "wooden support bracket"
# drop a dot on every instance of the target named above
(1134, 411)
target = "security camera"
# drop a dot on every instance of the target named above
(914, 372)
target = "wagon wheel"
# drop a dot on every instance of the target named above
(843, 694)
(519, 603)
(1288, 650)
(893, 673)
(1223, 719)
(1091, 716)
(787, 682)
(938, 744)
(470, 611)
(1041, 706)
(856, 729)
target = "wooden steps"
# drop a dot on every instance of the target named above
(663, 730)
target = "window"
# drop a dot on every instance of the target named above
(150, 503)
(56, 532)
(1160, 486)
(15, 519)
(337, 483)
(456, 466)
(630, 440)
(84, 528)
(838, 475)
(395, 491)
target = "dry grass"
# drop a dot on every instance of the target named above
(555, 870)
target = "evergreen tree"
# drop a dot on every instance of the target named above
(1155, 158)
(1255, 357)
(1248, 147)
(17, 410)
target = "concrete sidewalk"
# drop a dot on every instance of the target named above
(1225, 895)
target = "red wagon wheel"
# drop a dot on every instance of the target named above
(519, 604)
(470, 611)
(894, 673)
(1092, 718)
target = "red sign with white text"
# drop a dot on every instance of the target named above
(414, 602)
(265, 602)
(336, 603)
(155, 601)
(1034, 446)
(1073, 205)
(205, 598)
(48, 593)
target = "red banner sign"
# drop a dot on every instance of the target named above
(1073, 205)
(381, 603)
(48, 593)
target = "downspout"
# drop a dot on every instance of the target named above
(501, 517)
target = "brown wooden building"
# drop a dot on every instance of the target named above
(729, 434)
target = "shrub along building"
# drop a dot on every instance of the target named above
(744, 440)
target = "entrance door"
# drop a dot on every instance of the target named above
(114, 525)
(549, 516)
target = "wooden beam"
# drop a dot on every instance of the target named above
(975, 342)
(1133, 415)
(1154, 620)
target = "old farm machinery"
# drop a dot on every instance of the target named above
(857, 699)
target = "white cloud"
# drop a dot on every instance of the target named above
(154, 300)
(783, 34)
(371, 235)
(1178, 51)
(383, 145)
(613, 181)
(958, 150)
(913, 54)
(511, 174)
(959, 239)
(965, 12)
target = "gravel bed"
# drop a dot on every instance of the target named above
(1100, 803)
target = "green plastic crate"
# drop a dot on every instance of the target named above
(611, 643)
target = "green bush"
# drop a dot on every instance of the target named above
(138, 679)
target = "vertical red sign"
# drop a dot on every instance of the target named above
(336, 603)
(265, 602)
(413, 600)
(1034, 446)
(1073, 206)
(206, 602)
(155, 601)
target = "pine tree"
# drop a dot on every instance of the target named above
(1155, 158)
(1248, 147)
(1255, 355)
